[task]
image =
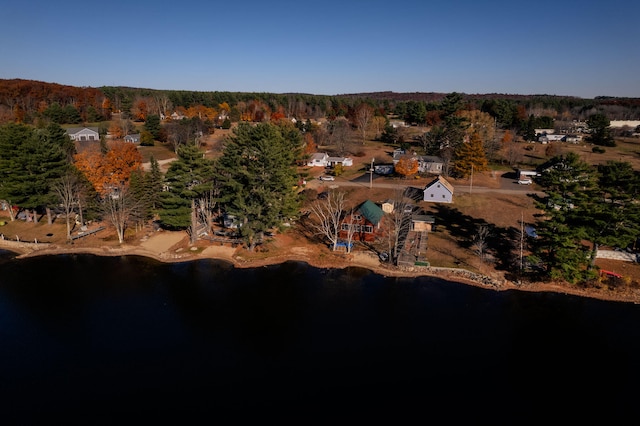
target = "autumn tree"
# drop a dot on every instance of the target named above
(469, 157)
(110, 170)
(485, 126)
(310, 144)
(378, 124)
(140, 110)
(121, 128)
(407, 165)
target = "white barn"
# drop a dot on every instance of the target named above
(438, 191)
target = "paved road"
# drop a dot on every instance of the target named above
(507, 185)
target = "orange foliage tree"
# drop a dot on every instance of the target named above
(309, 144)
(110, 170)
(407, 166)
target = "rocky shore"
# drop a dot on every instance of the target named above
(169, 247)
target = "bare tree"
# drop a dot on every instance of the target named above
(397, 225)
(328, 213)
(513, 153)
(350, 230)
(480, 242)
(119, 205)
(339, 131)
(377, 124)
(363, 116)
(205, 206)
(163, 105)
(68, 189)
(177, 135)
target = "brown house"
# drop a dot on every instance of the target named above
(364, 221)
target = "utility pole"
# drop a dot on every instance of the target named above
(521, 238)
(371, 173)
(471, 181)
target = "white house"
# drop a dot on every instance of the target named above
(344, 161)
(83, 133)
(438, 191)
(318, 159)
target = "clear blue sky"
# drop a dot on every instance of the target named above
(574, 48)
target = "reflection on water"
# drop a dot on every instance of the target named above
(95, 338)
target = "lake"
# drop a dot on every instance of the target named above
(115, 340)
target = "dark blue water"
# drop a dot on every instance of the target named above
(122, 340)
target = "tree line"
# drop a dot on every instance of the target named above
(33, 101)
(41, 174)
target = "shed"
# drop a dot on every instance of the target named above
(423, 222)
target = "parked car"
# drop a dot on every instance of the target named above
(326, 178)
(525, 182)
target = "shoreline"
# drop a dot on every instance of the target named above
(163, 254)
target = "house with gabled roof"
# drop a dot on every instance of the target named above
(426, 163)
(318, 159)
(83, 133)
(438, 190)
(364, 222)
(133, 138)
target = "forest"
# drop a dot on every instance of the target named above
(32, 102)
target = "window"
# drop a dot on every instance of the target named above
(368, 229)
(431, 195)
(443, 196)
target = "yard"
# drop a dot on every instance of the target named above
(456, 223)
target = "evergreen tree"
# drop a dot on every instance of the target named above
(152, 125)
(30, 163)
(614, 219)
(56, 134)
(257, 176)
(154, 183)
(599, 125)
(470, 157)
(189, 178)
(568, 219)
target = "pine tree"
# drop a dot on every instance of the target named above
(30, 164)
(257, 176)
(188, 179)
(570, 209)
